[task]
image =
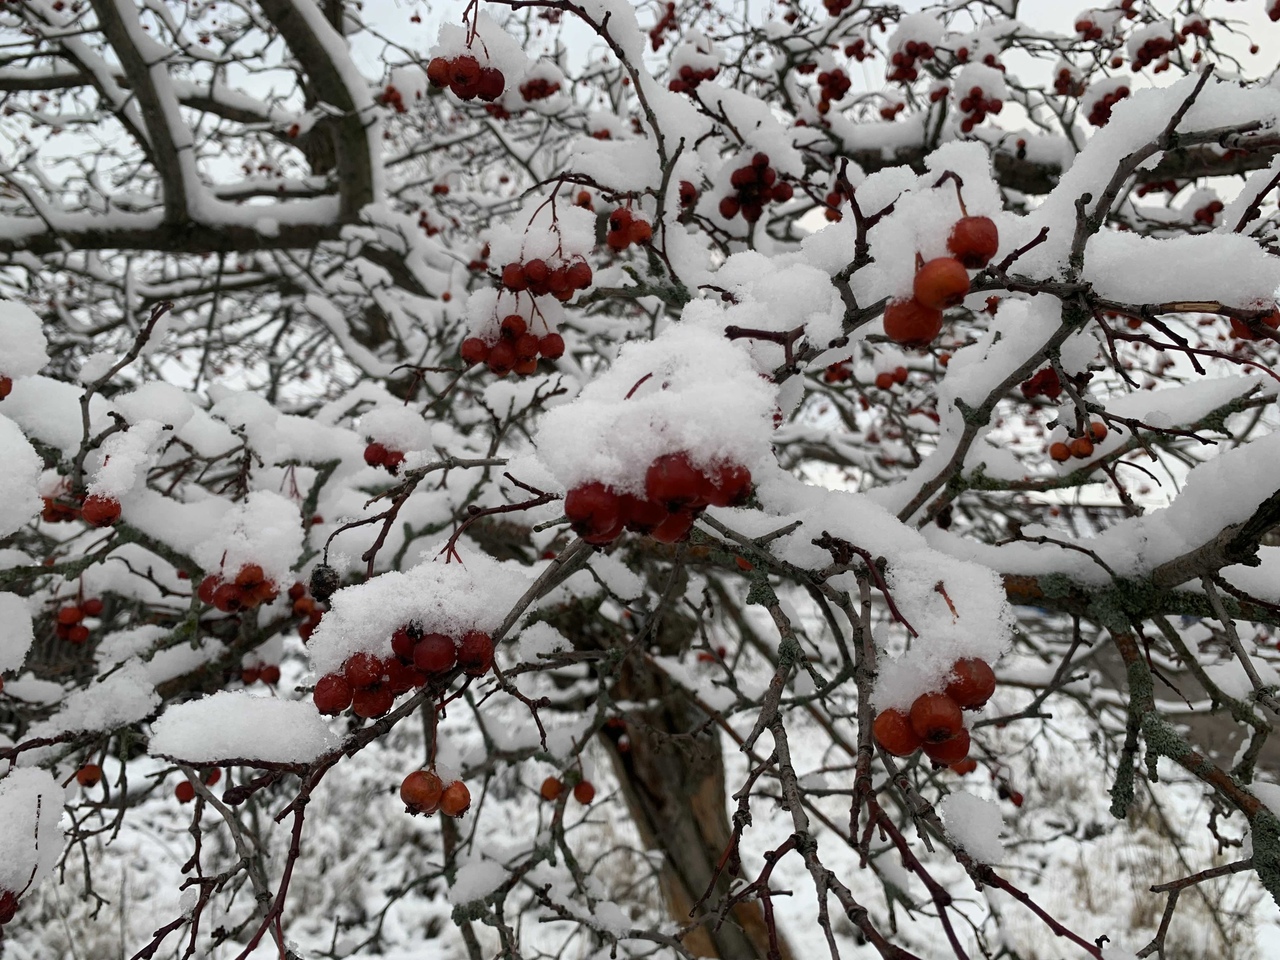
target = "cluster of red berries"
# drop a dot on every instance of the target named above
(246, 590)
(665, 23)
(185, 791)
(69, 624)
(307, 608)
(1100, 113)
(1080, 447)
(424, 222)
(859, 50)
(515, 349)
(687, 79)
(1158, 186)
(1088, 30)
(268, 673)
(756, 184)
(391, 97)
(903, 61)
(976, 106)
(1154, 48)
(539, 88)
(380, 455)
(838, 372)
(369, 684)
(834, 199)
(935, 722)
(58, 511)
(675, 493)
(625, 228)
(833, 84)
(1208, 213)
(887, 378)
(466, 78)
(6, 387)
(1042, 383)
(583, 791)
(540, 278)
(941, 283)
(1194, 26)
(891, 110)
(1241, 330)
(1067, 83)
(424, 792)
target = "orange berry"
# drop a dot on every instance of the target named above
(1060, 452)
(1098, 431)
(1082, 448)
(974, 241)
(941, 283)
(89, 775)
(935, 717)
(949, 751)
(551, 789)
(911, 324)
(455, 800)
(894, 732)
(421, 791)
(971, 684)
(584, 792)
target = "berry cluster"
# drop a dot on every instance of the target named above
(675, 492)
(380, 455)
(6, 387)
(756, 184)
(391, 97)
(1080, 447)
(1152, 49)
(941, 283)
(246, 590)
(1042, 383)
(891, 110)
(307, 608)
(1068, 83)
(58, 511)
(687, 79)
(904, 61)
(539, 88)
(1100, 113)
(466, 78)
(100, 511)
(935, 721)
(185, 791)
(1208, 213)
(268, 673)
(1242, 330)
(665, 23)
(584, 791)
(68, 621)
(369, 685)
(515, 349)
(540, 278)
(976, 106)
(625, 228)
(834, 84)
(838, 372)
(886, 379)
(1088, 30)
(424, 792)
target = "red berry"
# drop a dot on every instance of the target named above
(439, 72)
(249, 575)
(100, 511)
(8, 906)
(974, 241)
(332, 694)
(455, 800)
(514, 278)
(363, 670)
(229, 598)
(941, 283)
(551, 346)
(403, 642)
(936, 717)
(70, 615)
(492, 83)
(962, 767)
(594, 511)
(911, 324)
(513, 326)
(537, 271)
(185, 791)
(208, 587)
(372, 702)
(949, 751)
(89, 775)
(674, 528)
(673, 481)
(584, 792)
(92, 607)
(421, 791)
(375, 454)
(270, 674)
(475, 653)
(6, 387)
(894, 732)
(551, 789)
(502, 357)
(1097, 433)
(730, 485)
(1059, 451)
(435, 654)
(78, 634)
(641, 516)
(729, 207)
(474, 350)
(1082, 448)
(579, 275)
(971, 683)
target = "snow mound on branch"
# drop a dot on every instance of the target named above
(31, 841)
(123, 457)
(17, 635)
(449, 598)
(236, 725)
(115, 701)
(554, 231)
(396, 427)
(159, 401)
(20, 467)
(23, 347)
(974, 824)
(1225, 267)
(690, 389)
(265, 529)
(476, 880)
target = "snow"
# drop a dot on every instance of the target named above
(17, 635)
(476, 879)
(23, 347)
(20, 468)
(235, 724)
(114, 700)
(31, 841)
(974, 824)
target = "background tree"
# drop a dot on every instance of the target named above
(548, 478)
